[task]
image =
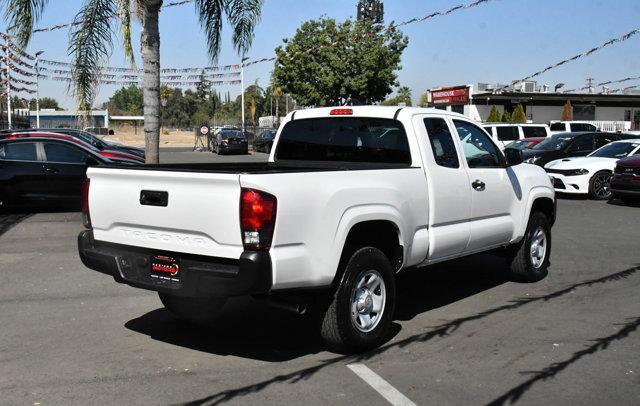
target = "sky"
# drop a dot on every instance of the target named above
(499, 41)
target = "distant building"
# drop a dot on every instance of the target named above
(50, 118)
(372, 10)
(610, 112)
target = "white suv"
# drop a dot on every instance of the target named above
(505, 134)
(571, 127)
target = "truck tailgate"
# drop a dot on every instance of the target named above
(201, 215)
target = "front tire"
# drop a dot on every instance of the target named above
(600, 186)
(529, 259)
(267, 148)
(201, 311)
(361, 309)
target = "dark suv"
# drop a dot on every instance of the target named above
(226, 141)
(264, 141)
(625, 182)
(565, 145)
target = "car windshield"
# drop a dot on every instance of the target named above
(520, 144)
(554, 143)
(615, 150)
(87, 137)
(231, 134)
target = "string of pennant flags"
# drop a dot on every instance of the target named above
(590, 52)
(608, 82)
(74, 23)
(172, 76)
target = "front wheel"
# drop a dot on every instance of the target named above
(600, 186)
(201, 311)
(361, 309)
(529, 259)
(267, 148)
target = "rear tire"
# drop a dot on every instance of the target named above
(361, 309)
(599, 186)
(201, 311)
(529, 259)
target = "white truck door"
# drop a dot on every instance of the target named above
(448, 185)
(492, 191)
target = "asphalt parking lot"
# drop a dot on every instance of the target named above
(463, 334)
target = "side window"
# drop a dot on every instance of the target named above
(64, 153)
(507, 133)
(489, 130)
(532, 131)
(558, 127)
(442, 145)
(20, 151)
(477, 146)
(604, 139)
(575, 127)
(582, 143)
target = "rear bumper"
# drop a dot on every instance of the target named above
(199, 276)
(625, 185)
(234, 148)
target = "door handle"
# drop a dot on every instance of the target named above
(478, 185)
(51, 170)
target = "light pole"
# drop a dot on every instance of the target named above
(38, 90)
(242, 86)
(8, 88)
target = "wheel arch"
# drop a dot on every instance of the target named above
(540, 199)
(379, 230)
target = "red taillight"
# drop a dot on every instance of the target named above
(341, 112)
(257, 219)
(86, 217)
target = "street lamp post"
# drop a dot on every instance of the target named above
(38, 90)
(242, 86)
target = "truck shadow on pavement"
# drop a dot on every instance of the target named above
(444, 330)
(251, 329)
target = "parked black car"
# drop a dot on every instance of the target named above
(566, 145)
(226, 141)
(43, 171)
(264, 141)
(86, 137)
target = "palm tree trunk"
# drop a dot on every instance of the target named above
(150, 49)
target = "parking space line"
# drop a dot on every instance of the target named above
(384, 388)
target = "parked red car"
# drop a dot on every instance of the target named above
(106, 153)
(526, 143)
(625, 182)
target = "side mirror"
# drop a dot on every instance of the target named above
(91, 161)
(111, 132)
(513, 156)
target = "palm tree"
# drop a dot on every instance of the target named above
(92, 35)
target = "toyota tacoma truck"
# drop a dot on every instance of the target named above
(349, 198)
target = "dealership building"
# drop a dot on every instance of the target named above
(610, 112)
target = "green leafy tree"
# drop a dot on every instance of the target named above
(350, 64)
(494, 115)
(519, 115)
(45, 103)
(424, 100)
(403, 95)
(567, 112)
(506, 117)
(92, 34)
(127, 101)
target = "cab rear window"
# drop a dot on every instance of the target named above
(344, 139)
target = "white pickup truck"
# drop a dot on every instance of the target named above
(348, 198)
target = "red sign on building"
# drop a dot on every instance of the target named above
(450, 95)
